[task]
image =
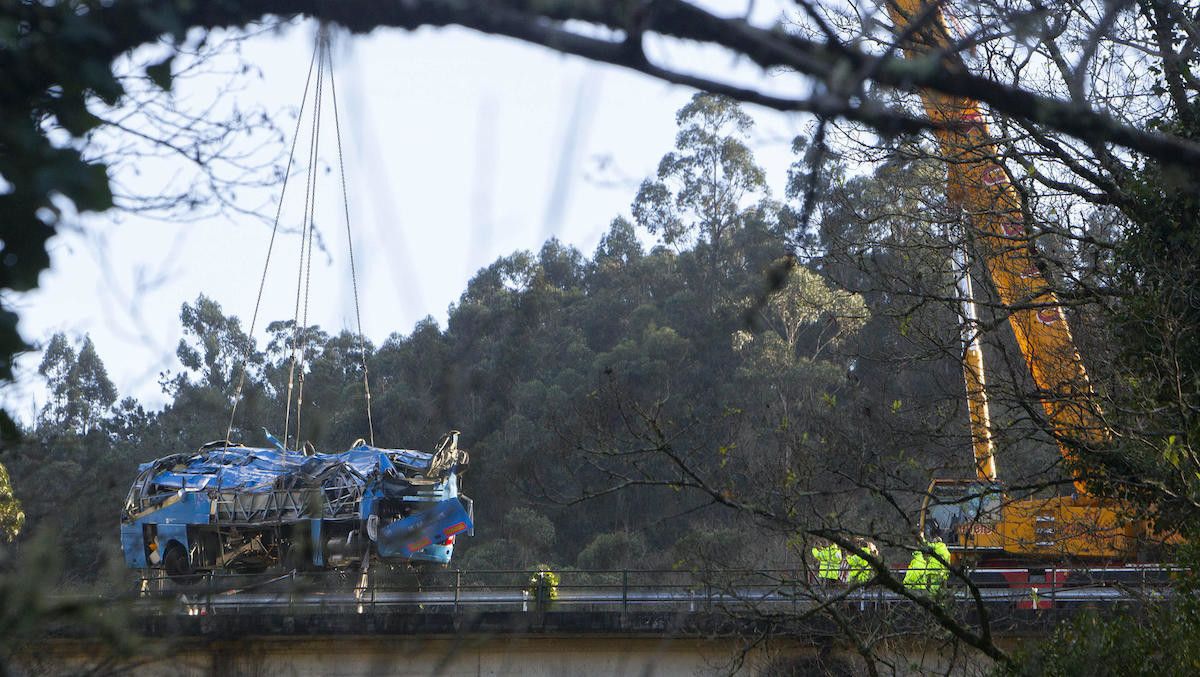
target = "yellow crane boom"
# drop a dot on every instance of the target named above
(978, 184)
(977, 401)
(974, 514)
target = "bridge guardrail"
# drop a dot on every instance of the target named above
(626, 589)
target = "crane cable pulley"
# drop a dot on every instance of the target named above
(322, 59)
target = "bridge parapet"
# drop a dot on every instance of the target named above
(621, 621)
(778, 592)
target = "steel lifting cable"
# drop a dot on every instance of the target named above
(304, 270)
(287, 172)
(302, 350)
(325, 65)
(362, 350)
(323, 60)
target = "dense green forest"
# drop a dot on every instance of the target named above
(595, 393)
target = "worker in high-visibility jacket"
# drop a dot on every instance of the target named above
(914, 575)
(937, 569)
(858, 570)
(829, 559)
(543, 586)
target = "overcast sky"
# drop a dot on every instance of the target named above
(460, 148)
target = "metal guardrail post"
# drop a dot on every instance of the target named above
(457, 588)
(625, 592)
(707, 589)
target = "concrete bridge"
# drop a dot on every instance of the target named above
(614, 626)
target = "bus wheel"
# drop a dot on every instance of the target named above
(178, 567)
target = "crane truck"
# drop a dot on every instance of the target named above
(975, 516)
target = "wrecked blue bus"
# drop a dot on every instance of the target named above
(231, 508)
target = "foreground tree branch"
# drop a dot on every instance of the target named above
(540, 23)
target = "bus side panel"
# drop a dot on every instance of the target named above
(133, 544)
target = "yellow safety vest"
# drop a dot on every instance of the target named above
(543, 585)
(914, 577)
(829, 562)
(936, 572)
(858, 570)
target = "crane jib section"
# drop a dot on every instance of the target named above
(980, 185)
